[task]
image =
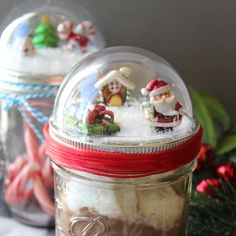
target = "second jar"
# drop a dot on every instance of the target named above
(28, 177)
(39, 45)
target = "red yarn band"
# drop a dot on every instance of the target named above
(122, 165)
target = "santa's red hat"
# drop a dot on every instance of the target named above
(155, 87)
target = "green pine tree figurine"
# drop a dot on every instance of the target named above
(45, 34)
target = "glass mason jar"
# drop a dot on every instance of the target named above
(28, 175)
(150, 206)
(123, 143)
(40, 41)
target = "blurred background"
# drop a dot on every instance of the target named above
(197, 37)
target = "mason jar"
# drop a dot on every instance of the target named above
(154, 205)
(40, 42)
(28, 175)
(123, 143)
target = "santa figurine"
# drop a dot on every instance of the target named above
(163, 110)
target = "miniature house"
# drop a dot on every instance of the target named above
(115, 85)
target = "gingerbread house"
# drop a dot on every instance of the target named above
(115, 85)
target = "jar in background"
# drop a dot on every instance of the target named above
(40, 42)
(123, 143)
(28, 175)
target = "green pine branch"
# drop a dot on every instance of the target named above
(213, 215)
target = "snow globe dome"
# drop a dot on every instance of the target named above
(123, 99)
(47, 37)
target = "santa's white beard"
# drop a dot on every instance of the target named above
(166, 107)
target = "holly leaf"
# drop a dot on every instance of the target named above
(204, 117)
(227, 145)
(216, 109)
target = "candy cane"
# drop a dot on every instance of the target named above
(19, 198)
(47, 174)
(76, 36)
(64, 29)
(86, 28)
(15, 167)
(31, 145)
(41, 195)
(31, 166)
(42, 153)
(16, 192)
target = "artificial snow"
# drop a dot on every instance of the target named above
(46, 61)
(131, 121)
(134, 127)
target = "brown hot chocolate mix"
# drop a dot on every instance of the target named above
(89, 223)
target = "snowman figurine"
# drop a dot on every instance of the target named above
(163, 110)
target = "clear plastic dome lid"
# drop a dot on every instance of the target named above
(123, 99)
(47, 37)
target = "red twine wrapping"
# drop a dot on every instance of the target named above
(122, 165)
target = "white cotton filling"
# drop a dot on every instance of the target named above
(158, 207)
